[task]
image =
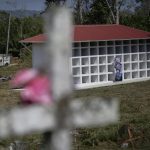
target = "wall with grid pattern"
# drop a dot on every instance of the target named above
(92, 62)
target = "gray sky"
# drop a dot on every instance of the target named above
(22, 4)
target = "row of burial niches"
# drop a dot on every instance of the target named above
(109, 68)
(110, 47)
(92, 79)
(110, 77)
(109, 59)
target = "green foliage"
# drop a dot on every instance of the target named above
(3, 30)
(53, 3)
(136, 21)
(140, 18)
(98, 14)
(20, 28)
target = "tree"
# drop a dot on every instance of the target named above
(109, 8)
(3, 31)
(99, 13)
(20, 28)
(51, 3)
(115, 8)
(144, 7)
(78, 11)
(140, 18)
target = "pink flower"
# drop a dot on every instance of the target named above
(37, 91)
(37, 87)
(22, 77)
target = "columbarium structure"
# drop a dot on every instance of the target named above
(104, 54)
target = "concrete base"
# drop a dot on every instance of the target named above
(89, 86)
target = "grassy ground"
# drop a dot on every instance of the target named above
(134, 108)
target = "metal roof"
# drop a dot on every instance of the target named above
(98, 33)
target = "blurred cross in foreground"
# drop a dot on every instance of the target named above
(65, 113)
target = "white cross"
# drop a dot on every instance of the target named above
(64, 114)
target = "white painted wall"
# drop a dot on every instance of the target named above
(38, 55)
(92, 64)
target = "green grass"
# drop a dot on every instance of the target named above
(134, 109)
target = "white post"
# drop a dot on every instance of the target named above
(59, 47)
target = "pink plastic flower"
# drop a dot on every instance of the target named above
(22, 77)
(37, 87)
(37, 91)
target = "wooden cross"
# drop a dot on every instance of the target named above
(65, 113)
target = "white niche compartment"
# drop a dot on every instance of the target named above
(110, 50)
(102, 60)
(148, 47)
(118, 49)
(142, 57)
(94, 69)
(127, 58)
(142, 74)
(126, 49)
(135, 74)
(110, 68)
(93, 44)
(134, 57)
(102, 69)
(94, 60)
(76, 80)
(142, 48)
(127, 75)
(110, 77)
(76, 71)
(93, 51)
(110, 59)
(142, 65)
(103, 78)
(134, 66)
(101, 43)
(85, 61)
(85, 52)
(94, 78)
(76, 44)
(76, 52)
(102, 51)
(75, 61)
(127, 67)
(84, 44)
(134, 49)
(148, 56)
(148, 65)
(85, 79)
(148, 73)
(85, 70)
